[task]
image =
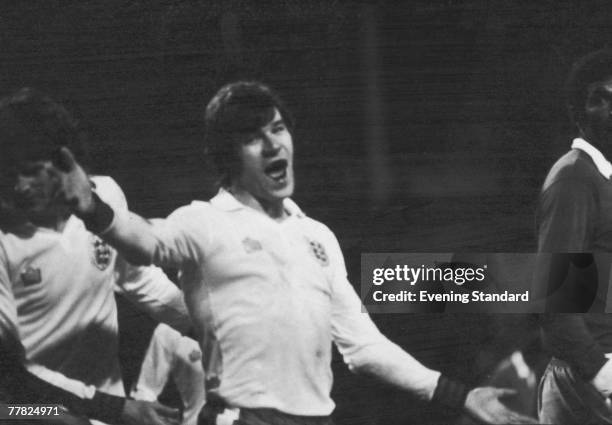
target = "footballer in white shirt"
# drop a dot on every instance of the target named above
(58, 280)
(265, 284)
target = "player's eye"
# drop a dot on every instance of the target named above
(279, 128)
(251, 139)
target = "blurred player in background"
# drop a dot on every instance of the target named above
(265, 284)
(59, 278)
(575, 224)
(172, 356)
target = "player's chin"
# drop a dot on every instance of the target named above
(280, 191)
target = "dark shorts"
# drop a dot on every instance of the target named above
(566, 399)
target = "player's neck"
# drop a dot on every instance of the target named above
(273, 209)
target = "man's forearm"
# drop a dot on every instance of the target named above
(570, 340)
(395, 366)
(23, 386)
(127, 232)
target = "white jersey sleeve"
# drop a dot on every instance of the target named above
(157, 365)
(8, 310)
(147, 287)
(171, 242)
(363, 347)
(150, 290)
(183, 236)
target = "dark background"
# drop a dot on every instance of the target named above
(422, 126)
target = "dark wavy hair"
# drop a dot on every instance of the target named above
(594, 67)
(33, 127)
(236, 110)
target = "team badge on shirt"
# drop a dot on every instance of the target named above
(102, 253)
(318, 250)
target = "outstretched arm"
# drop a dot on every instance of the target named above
(366, 350)
(129, 233)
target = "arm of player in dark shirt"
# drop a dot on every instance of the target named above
(571, 341)
(565, 225)
(565, 217)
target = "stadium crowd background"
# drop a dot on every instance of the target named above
(421, 126)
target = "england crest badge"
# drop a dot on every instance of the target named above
(318, 250)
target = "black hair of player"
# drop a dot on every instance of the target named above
(237, 110)
(34, 127)
(591, 68)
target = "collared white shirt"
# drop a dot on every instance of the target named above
(57, 289)
(267, 299)
(602, 164)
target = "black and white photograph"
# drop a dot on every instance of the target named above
(305, 212)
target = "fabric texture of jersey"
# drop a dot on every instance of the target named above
(267, 298)
(574, 216)
(575, 204)
(62, 284)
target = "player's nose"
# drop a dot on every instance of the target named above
(271, 146)
(22, 186)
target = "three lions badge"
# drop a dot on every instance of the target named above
(318, 250)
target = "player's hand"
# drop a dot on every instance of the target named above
(76, 187)
(138, 412)
(603, 380)
(484, 404)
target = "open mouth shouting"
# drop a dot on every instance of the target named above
(277, 170)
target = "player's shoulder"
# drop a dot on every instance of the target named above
(109, 191)
(575, 167)
(312, 225)
(196, 211)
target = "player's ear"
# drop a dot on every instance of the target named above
(63, 159)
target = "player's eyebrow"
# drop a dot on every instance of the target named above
(277, 122)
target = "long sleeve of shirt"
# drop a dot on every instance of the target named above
(570, 340)
(365, 349)
(566, 219)
(152, 291)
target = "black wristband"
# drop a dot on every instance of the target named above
(100, 218)
(105, 407)
(450, 393)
